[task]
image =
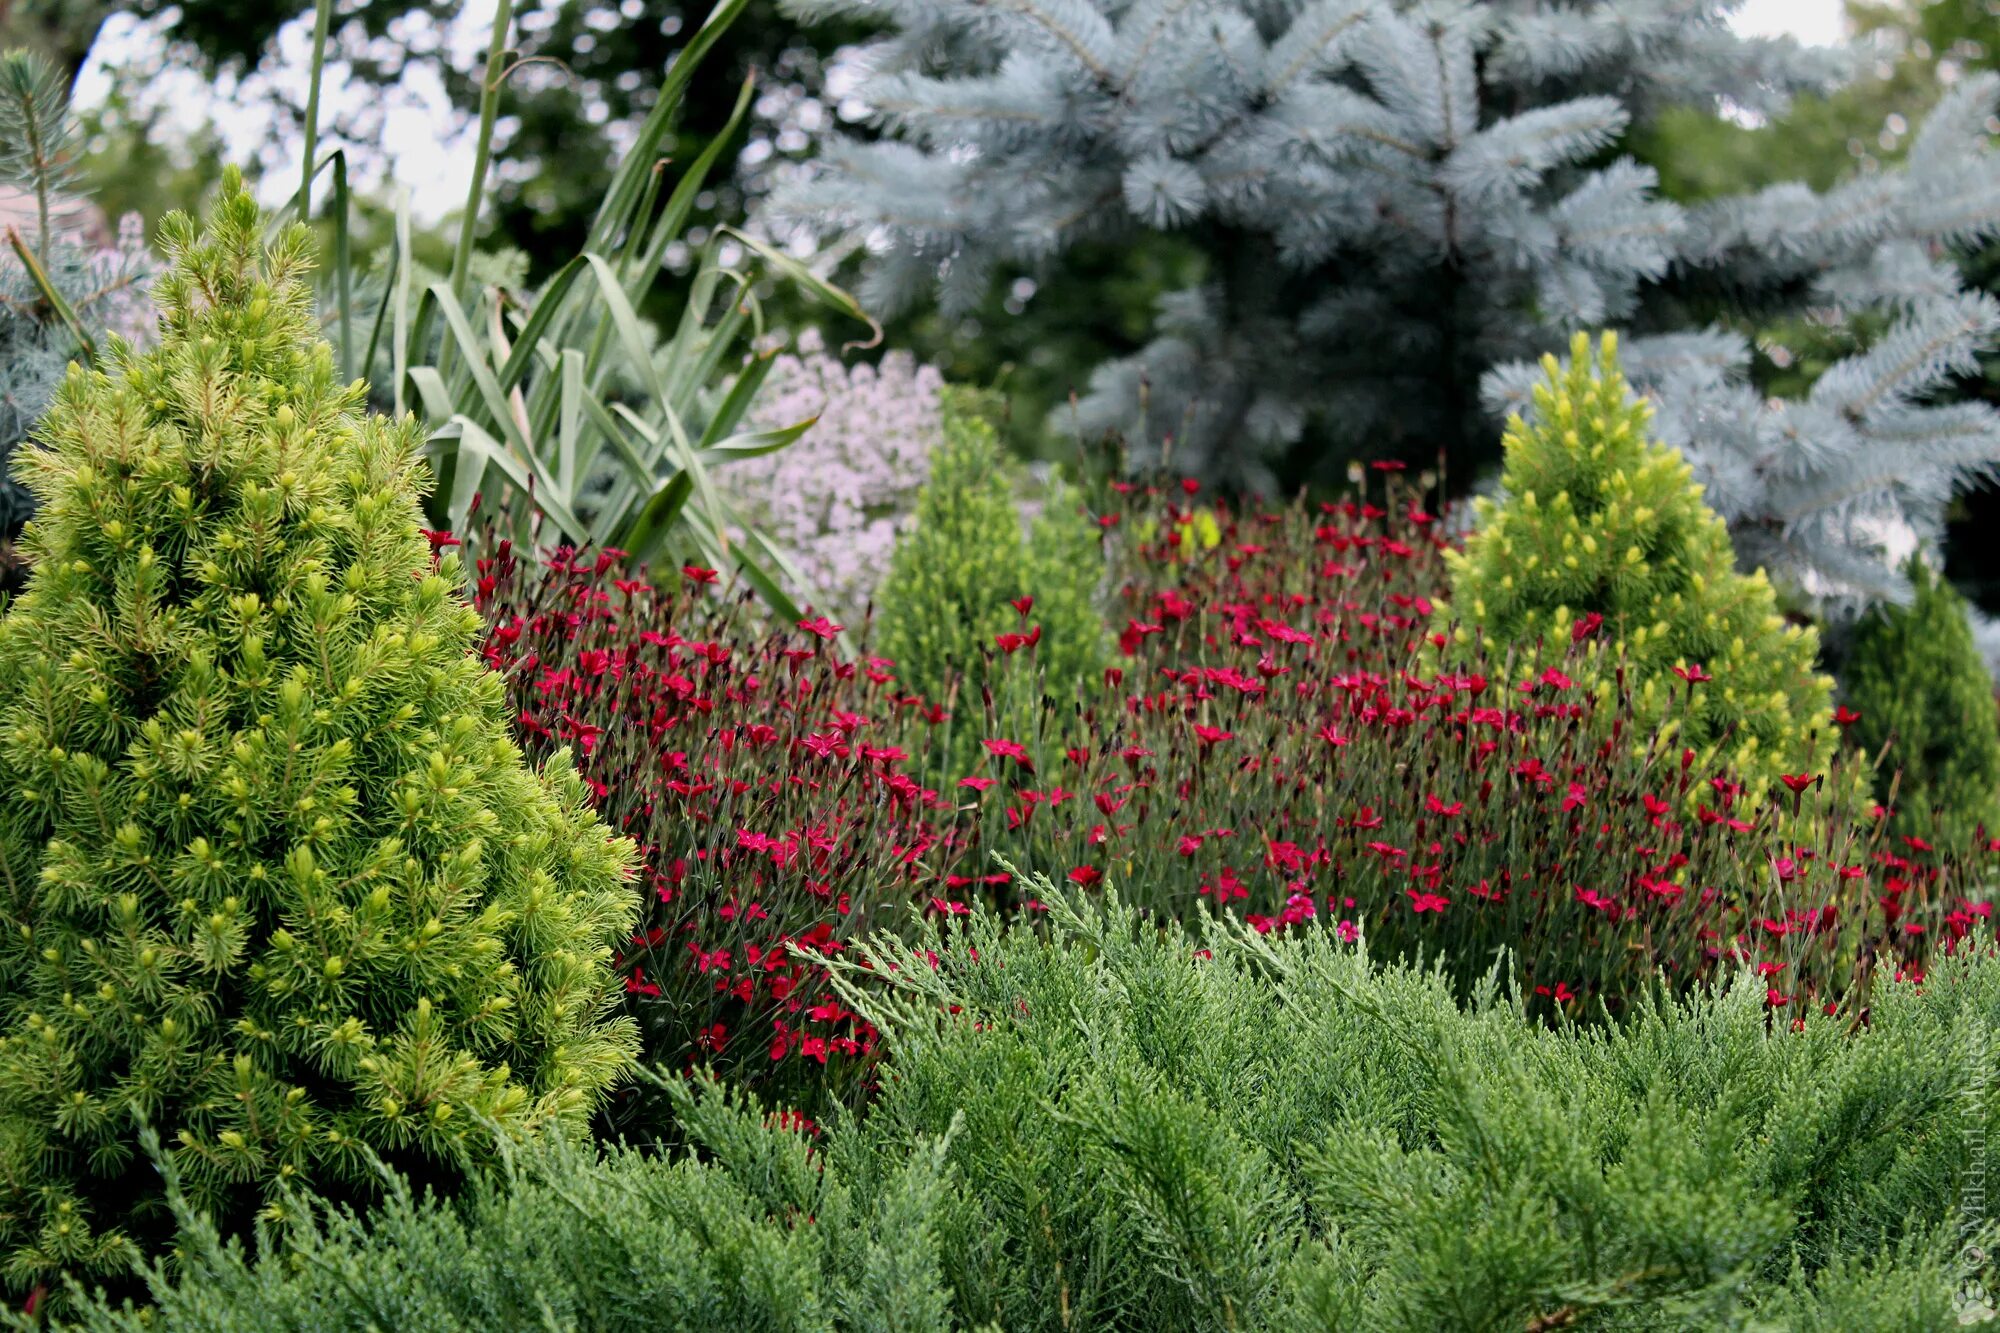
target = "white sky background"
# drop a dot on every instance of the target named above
(421, 139)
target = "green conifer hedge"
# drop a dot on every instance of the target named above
(1916, 678)
(274, 879)
(955, 578)
(1599, 520)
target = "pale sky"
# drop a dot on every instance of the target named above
(432, 156)
(1820, 22)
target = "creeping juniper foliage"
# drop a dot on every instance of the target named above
(1123, 1126)
(274, 879)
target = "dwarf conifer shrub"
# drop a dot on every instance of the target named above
(273, 876)
(1602, 528)
(965, 586)
(1917, 680)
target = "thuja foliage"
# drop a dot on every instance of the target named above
(966, 584)
(1921, 688)
(1127, 1126)
(1394, 199)
(1599, 520)
(274, 879)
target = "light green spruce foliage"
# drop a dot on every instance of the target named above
(1600, 519)
(273, 876)
(1124, 1126)
(955, 575)
(1916, 677)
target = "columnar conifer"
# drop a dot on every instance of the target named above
(1917, 681)
(964, 579)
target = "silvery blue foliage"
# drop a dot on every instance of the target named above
(1399, 197)
(1396, 196)
(1830, 491)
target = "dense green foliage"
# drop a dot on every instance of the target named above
(274, 878)
(557, 414)
(1556, 978)
(947, 603)
(1129, 1127)
(1600, 520)
(1921, 689)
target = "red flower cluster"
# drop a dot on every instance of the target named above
(764, 783)
(1281, 736)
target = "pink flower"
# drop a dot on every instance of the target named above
(1006, 749)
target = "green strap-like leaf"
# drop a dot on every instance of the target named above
(644, 537)
(834, 296)
(757, 443)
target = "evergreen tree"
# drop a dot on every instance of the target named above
(1397, 198)
(1917, 680)
(1600, 520)
(37, 148)
(953, 596)
(274, 879)
(1818, 487)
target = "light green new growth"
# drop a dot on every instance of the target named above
(1599, 518)
(273, 876)
(1915, 676)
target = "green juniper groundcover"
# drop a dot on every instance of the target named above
(275, 880)
(1114, 1124)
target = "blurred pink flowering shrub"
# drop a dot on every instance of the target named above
(835, 500)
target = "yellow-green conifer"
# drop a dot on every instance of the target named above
(1600, 519)
(273, 876)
